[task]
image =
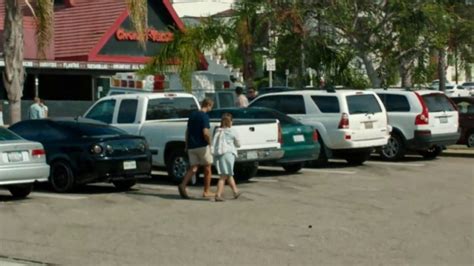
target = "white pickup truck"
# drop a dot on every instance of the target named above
(162, 119)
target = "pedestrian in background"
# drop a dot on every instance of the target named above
(36, 111)
(1, 115)
(198, 141)
(251, 94)
(45, 108)
(241, 101)
(225, 143)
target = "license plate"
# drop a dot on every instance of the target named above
(298, 138)
(15, 157)
(443, 120)
(252, 155)
(369, 125)
(127, 165)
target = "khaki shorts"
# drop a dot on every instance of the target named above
(200, 156)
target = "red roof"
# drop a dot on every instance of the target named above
(80, 30)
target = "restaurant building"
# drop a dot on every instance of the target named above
(92, 41)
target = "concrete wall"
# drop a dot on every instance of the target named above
(56, 109)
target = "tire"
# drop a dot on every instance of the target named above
(431, 153)
(124, 185)
(20, 191)
(358, 158)
(245, 171)
(62, 177)
(322, 158)
(292, 167)
(177, 166)
(470, 139)
(394, 150)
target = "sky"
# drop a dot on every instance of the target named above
(198, 8)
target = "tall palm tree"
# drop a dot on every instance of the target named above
(43, 11)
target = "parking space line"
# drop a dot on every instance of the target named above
(263, 180)
(396, 163)
(161, 187)
(57, 196)
(329, 171)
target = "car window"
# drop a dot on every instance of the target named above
(327, 104)
(27, 129)
(291, 104)
(271, 114)
(6, 134)
(438, 102)
(167, 108)
(465, 107)
(267, 102)
(363, 104)
(395, 103)
(226, 100)
(127, 111)
(102, 111)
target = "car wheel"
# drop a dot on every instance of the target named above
(245, 171)
(124, 185)
(358, 158)
(431, 153)
(322, 158)
(470, 139)
(292, 167)
(20, 191)
(62, 177)
(177, 166)
(394, 150)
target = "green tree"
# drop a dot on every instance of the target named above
(14, 73)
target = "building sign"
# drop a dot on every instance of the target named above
(152, 35)
(77, 65)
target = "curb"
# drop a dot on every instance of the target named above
(459, 154)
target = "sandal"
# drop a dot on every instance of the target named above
(237, 195)
(219, 199)
(182, 192)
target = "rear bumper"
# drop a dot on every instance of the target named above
(300, 153)
(346, 141)
(424, 140)
(113, 169)
(256, 155)
(10, 175)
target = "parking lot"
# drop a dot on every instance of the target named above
(410, 212)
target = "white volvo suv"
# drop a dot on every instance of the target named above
(422, 121)
(350, 123)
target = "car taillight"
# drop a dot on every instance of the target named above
(315, 136)
(344, 122)
(280, 136)
(38, 153)
(423, 118)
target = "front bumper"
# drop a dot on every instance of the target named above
(424, 140)
(20, 174)
(257, 155)
(106, 169)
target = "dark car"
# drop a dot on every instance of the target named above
(299, 142)
(82, 151)
(466, 119)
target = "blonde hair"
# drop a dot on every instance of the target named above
(226, 120)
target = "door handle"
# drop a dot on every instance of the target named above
(252, 129)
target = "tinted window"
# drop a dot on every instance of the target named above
(291, 104)
(267, 114)
(363, 104)
(395, 103)
(6, 134)
(167, 108)
(127, 111)
(27, 129)
(327, 104)
(103, 111)
(437, 103)
(226, 100)
(267, 102)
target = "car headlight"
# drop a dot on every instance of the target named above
(142, 146)
(97, 149)
(109, 149)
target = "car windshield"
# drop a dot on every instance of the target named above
(438, 103)
(6, 134)
(91, 130)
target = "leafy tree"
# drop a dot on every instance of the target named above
(14, 73)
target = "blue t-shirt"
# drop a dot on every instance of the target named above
(197, 122)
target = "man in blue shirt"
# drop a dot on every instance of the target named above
(36, 111)
(198, 140)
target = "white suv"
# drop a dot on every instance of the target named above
(422, 121)
(350, 123)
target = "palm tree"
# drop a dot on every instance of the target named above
(14, 73)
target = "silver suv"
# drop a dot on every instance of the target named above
(422, 121)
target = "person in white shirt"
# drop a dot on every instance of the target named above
(1, 115)
(241, 100)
